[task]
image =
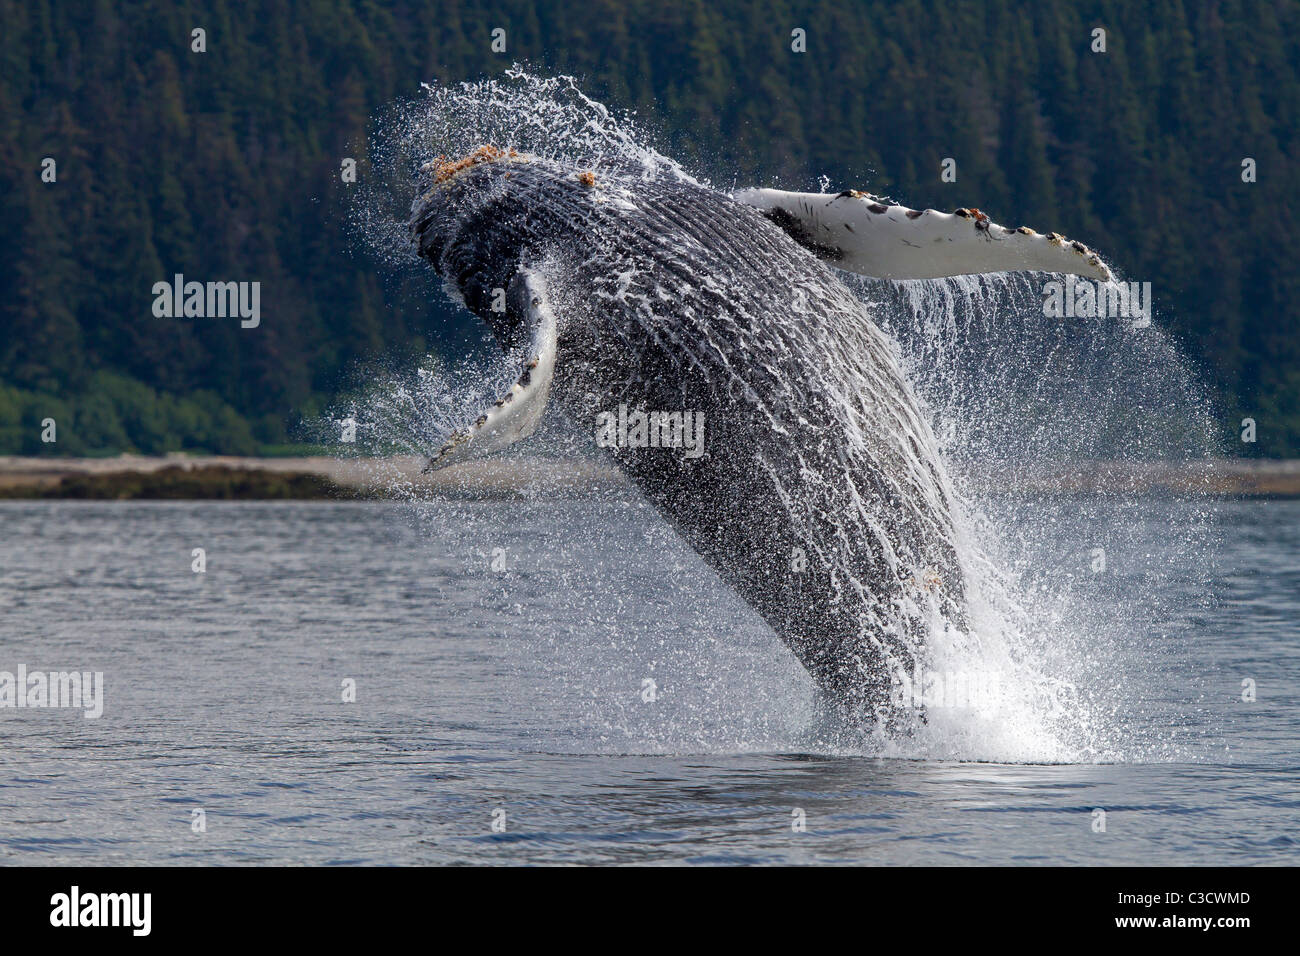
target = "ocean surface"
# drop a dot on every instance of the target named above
(570, 672)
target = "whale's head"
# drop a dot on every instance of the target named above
(483, 219)
(485, 222)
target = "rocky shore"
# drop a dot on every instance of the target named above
(231, 478)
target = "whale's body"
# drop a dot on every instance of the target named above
(820, 497)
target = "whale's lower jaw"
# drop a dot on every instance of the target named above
(517, 413)
(818, 495)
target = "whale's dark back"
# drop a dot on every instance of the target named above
(821, 498)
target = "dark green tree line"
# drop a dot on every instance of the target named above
(224, 165)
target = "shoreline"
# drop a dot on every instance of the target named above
(184, 477)
(222, 477)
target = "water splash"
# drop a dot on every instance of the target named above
(1049, 667)
(549, 117)
(1027, 405)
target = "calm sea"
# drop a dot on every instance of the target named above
(571, 673)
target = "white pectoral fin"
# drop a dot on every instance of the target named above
(516, 414)
(857, 232)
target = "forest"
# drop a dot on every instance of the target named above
(127, 157)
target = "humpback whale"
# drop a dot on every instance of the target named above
(820, 497)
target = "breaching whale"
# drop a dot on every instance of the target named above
(820, 496)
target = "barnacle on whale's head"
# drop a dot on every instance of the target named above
(443, 170)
